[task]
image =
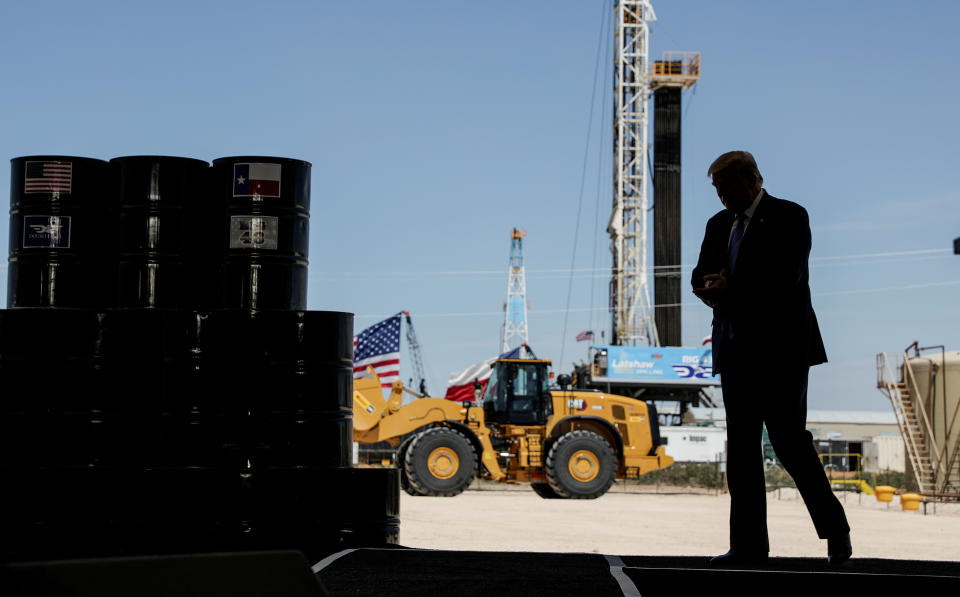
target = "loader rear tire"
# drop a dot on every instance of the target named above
(581, 465)
(402, 465)
(545, 491)
(440, 461)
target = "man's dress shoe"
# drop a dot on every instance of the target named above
(839, 550)
(738, 557)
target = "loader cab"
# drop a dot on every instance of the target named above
(517, 393)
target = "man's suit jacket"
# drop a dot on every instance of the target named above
(767, 303)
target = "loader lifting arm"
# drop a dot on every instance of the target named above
(376, 419)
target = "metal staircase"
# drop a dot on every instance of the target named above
(913, 421)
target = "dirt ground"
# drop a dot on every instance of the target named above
(647, 521)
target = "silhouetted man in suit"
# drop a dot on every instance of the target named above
(753, 272)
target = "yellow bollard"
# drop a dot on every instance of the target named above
(910, 501)
(884, 493)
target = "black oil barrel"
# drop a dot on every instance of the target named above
(220, 375)
(114, 511)
(309, 423)
(45, 368)
(161, 212)
(56, 231)
(267, 388)
(306, 508)
(136, 404)
(307, 351)
(266, 231)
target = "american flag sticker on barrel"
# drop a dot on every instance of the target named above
(256, 180)
(48, 177)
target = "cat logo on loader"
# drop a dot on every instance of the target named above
(565, 443)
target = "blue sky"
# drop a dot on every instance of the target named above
(435, 127)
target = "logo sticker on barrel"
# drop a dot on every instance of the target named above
(46, 232)
(48, 177)
(256, 180)
(253, 232)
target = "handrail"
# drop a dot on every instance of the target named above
(950, 456)
(883, 363)
(676, 64)
(881, 378)
(952, 453)
(928, 428)
(940, 463)
(858, 456)
(950, 463)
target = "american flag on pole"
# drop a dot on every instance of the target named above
(378, 346)
(585, 335)
(48, 177)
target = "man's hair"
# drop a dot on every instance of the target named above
(740, 161)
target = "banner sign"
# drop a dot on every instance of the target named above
(654, 364)
(46, 232)
(253, 232)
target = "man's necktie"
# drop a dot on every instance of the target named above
(736, 239)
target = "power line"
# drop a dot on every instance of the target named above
(888, 288)
(681, 304)
(886, 254)
(606, 115)
(583, 174)
(857, 259)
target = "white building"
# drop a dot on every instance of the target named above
(875, 431)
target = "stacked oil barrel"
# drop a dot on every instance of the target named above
(164, 389)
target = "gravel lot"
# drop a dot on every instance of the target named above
(644, 521)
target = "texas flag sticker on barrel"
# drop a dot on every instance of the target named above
(256, 179)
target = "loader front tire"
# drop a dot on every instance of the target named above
(440, 461)
(402, 465)
(581, 465)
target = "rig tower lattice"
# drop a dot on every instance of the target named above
(633, 321)
(515, 309)
(629, 292)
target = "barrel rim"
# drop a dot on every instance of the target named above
(56, 157)
(260, 158)
(146, 157)
(315, 312)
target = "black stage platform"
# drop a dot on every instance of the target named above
(402, 572)
(396, 572)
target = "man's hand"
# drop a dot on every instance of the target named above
(715, 286)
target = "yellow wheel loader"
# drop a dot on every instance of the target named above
(565, 443)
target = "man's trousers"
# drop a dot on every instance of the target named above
(775, 395)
